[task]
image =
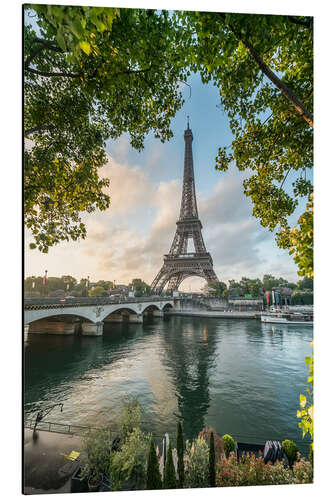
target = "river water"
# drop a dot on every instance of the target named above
(240, 376)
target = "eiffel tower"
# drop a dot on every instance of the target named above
(178, 264)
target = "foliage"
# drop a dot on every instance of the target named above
(251, 471)
(305, 414)
(35, 284)
(305, 284)
(290, 449)
(169, 478)
(140, 287)
(212, 462)
(90, 74)
(196, 463)
(154, 481)
(303, 472)
(300, 297)
(130, 463)
(271, 135)
(218, 443)
(228, 444)
(218, 288)
(130, 416)
(95, 447)
(299, 241)
(97, 291)
(180, 455)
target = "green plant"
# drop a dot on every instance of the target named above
(228, 443)
(154, 481)
(251, 471)
(130, 417)
(306, 404)
(130, 463)
(180, 455)
(95, 449)
(196, 462)
(169, 477)
(212, 461)
(218, 443)
(303, 472)
(291, 450)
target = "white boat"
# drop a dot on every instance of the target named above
(287, 319)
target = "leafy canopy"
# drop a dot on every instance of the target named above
(268, 114)
(90, 73)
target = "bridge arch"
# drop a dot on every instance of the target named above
(40, 314)
(119, 310)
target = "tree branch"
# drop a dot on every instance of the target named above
(307, 23)
(47, 74)
(298, 105)
(38, 129)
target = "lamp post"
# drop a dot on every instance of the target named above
(44, 284)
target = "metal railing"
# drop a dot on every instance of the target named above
(52, 303)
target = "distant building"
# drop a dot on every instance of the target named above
(247, 304)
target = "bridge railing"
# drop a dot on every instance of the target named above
(88, 301)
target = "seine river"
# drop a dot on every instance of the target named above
(240, 376)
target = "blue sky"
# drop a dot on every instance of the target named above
(129, 239)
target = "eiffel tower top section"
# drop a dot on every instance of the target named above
(188, 209)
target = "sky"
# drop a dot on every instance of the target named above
(129, 239)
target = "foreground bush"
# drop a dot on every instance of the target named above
(196, 464)
(253, 471)
(303, 472)
(130, 463)
(130, 416)
(218, 442)
(228, 443)
(291, 450)
(154, 481)
(169, 478)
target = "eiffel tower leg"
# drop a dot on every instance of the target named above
(174, 283)
(210, 275)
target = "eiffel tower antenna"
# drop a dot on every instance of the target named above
(188, 122)
(178, 264)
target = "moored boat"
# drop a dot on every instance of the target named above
(287, 318)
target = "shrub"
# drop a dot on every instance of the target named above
(95, 448)
(218, 443)
(169, 479)
(228, 444)
(251, 471)
(130, 417)
(130, 463)
(291, 450)
(311, 454)
(303, 472)
(196, 463)
(180, 455)
(212, 462)
(154, 481)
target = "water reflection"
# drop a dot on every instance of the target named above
(234, 375)
(189, 357)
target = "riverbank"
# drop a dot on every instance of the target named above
(46, 470)
(217, 314)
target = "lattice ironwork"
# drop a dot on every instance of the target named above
(178, 264)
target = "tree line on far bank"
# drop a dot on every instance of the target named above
(302, 291)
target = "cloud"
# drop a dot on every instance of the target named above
(130, 187)
(130, 238)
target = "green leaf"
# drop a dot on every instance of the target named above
(60, 39)
(86, 47)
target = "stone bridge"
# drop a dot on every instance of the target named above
(94, 312)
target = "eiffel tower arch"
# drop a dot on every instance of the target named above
(178, 264)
